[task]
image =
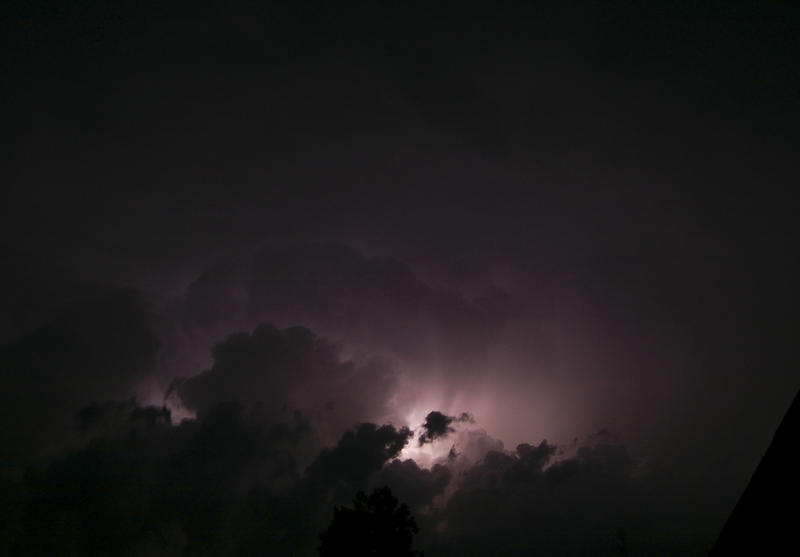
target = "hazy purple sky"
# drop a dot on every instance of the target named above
(573, 222)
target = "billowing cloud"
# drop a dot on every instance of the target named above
(554, 217)
(238, 480)
(438, 426)
(296, 369)
(289, 423)
(511, 504)
(413, 485)
(142, 486)
(375, 303)
(359, 453)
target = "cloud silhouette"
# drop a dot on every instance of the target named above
(358, 454)
(523, 505)
(241, 479)
(413, 485)
(438, 426)
(293, 368)
(279, 439)
(144, 486)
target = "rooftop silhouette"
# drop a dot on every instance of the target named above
(765, 517)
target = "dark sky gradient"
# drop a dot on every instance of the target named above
(306, 226)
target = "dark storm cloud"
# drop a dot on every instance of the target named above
(238, 480)
(377, 302)
(524, 466)
(146, 487)
(94, 350)
(510, 504)
(295, 369)
(251, 472)
(117, 419)
(235, 480)
(367, 305)
(413, 485)
(439, 426)
(359, 453)
(587, 212)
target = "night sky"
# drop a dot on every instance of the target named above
(531, 266)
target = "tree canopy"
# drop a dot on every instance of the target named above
(376, 525)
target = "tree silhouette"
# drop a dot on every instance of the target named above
(377, 526)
